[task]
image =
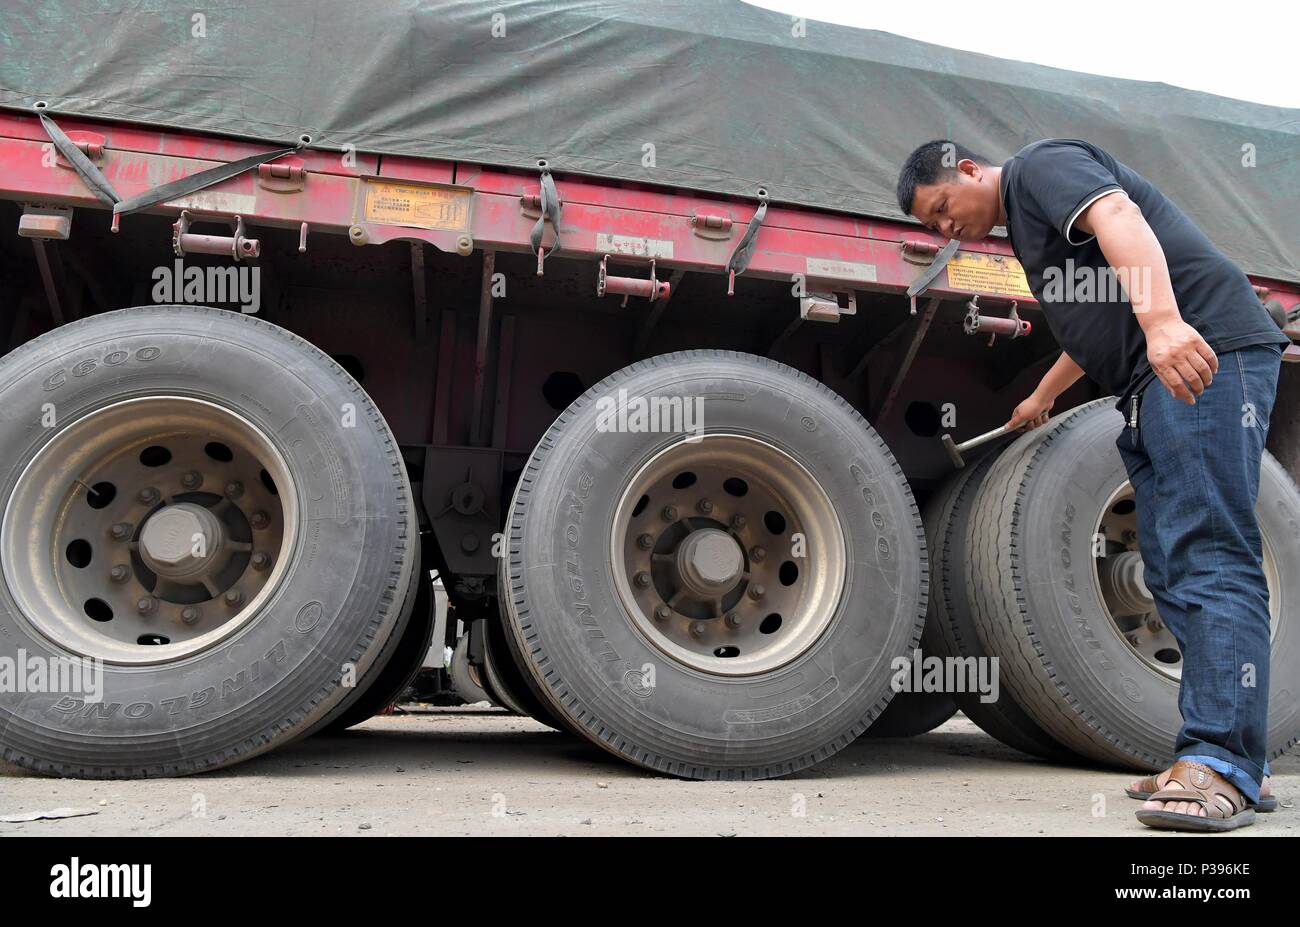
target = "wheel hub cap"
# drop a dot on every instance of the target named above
(183, 541)
(709, 562)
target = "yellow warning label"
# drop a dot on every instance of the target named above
(996, 274)
(420, 206)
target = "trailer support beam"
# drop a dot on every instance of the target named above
(478, 425)
(905, 362)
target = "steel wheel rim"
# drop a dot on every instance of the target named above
(671, 556)
(101, 514)
(1143, 631)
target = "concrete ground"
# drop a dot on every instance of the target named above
(479, 771)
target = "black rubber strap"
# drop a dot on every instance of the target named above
(940, 261)
(550, 209)
(86, 168)
(193, 183)
(745, 247)
(103, 189)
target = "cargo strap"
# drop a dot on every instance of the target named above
(739, 260)
(92, 175)
(550, 209)
(192, 183)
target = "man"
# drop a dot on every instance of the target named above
(1184, 315)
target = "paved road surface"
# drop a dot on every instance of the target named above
(478, 771)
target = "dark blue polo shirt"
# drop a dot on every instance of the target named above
(1045, 186)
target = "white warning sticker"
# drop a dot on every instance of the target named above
(630, 244)
(823, 269)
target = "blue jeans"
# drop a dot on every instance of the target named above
(1195, 476)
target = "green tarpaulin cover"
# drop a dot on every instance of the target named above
(711, 95)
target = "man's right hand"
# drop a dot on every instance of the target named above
(1031, 413)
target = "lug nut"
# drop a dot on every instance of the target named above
(192, 480)
(146, 605)
(261, 561)
(260, 520)
(669, 513)
(149, 495)
(234, 490)
(120, 573)
(643, 579)
(121, 531)
(697, 629)
(190, 614)
(705, 506)
(733, 620)
(737, 521)
(757, 553)
(757, 591)
(234, 598)
(645, 542)
(662, 612)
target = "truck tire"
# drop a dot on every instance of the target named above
(1077, 658)
(501, 692)
(949, 627)
(911, 714)
(394, 672)
(228, 527)
(683, 588)
(507, 674)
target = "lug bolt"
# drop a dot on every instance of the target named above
(705, 506)
(733, 620)
(261, 561)
(697, 629)
(120, 573)
(757, 554)
(669, 513)
(662, 612)
(149, 495)
(146, 605)
(737, 521)
(234, 598)
(192, 480)
(190, 614)
(121, 531)
(643, 579)
(757, 591)
(260, 520)
(234, 490)
(645, 542)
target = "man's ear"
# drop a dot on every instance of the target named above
(970, 169)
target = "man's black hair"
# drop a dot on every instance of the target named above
(930, 163)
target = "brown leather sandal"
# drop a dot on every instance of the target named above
(1225, 807)
(1150, 785)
